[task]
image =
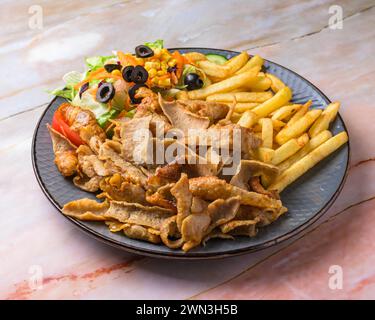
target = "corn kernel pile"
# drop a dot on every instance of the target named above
(157, 68)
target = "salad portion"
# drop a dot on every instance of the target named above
(110, 84)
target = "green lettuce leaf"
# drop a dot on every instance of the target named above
(103, 119)
(87, 101)
(97, 62)
(158, 44)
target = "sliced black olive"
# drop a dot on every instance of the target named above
(105, 92)
(112, 66)
(139, 75)
(127, 73)
(132, 92)
(192, 81)
(84, 87)
(172, 69)
(143, 51)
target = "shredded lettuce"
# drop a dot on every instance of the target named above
(97, 62)
(68, 92)
(103, 119)
(87, 101)
(158, 44)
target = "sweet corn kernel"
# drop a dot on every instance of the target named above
(149, 65)
(116, 72)
(164, 82)
(172, 62)
(161, 73)
(157, 53)
(164, 65)
(155, 80)
(152, 72)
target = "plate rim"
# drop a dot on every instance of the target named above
(194, 256)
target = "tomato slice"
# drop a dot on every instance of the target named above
(59, 124)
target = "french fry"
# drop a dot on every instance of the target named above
(307, 162)
(214, 70)
(311, 145)
(272, 104)
(285, 111)
(267, 132)
(262, 83)
(276, 83)
(297, 128)
(248, 118)
(237, 62)
(300, 113)
(217, 71)
(265, 154)
(277, 125)
(194, 56)
(327, 116)
(241, 97)
(244, 106)
(289, 148)
(255, 61)
(226, 85)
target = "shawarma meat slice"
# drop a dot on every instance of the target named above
(212, 188)
(86, 209)
(135, 231)
(162, 197)
(181, 118)
(248, 169)
(117, 188)
(256, 186)
(216, 233)
(86, 183)
(135, 213)
(193, 229)
(135, 139)
(240, 227)
(213, 110)
(183, 199)
(264, 216)
(65, 153)
(169, 233)
(196, 226)
(111, 151)
(222, 211)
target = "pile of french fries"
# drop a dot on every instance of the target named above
(295, 137)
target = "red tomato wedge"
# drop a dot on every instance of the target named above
(60, 125)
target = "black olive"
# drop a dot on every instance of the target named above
(139, 75)
(143, 51)
(172, 69)
(127, 73)
(112, 66)
(192, 81)
(133, 90)
(84, 87)
(105, 92)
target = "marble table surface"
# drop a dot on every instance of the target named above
(42, 256)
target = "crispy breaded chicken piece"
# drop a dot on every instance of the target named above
(82, 121)
(65, 153)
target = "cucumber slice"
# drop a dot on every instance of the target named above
(216, 58)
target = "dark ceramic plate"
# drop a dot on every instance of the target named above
(307, 198)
